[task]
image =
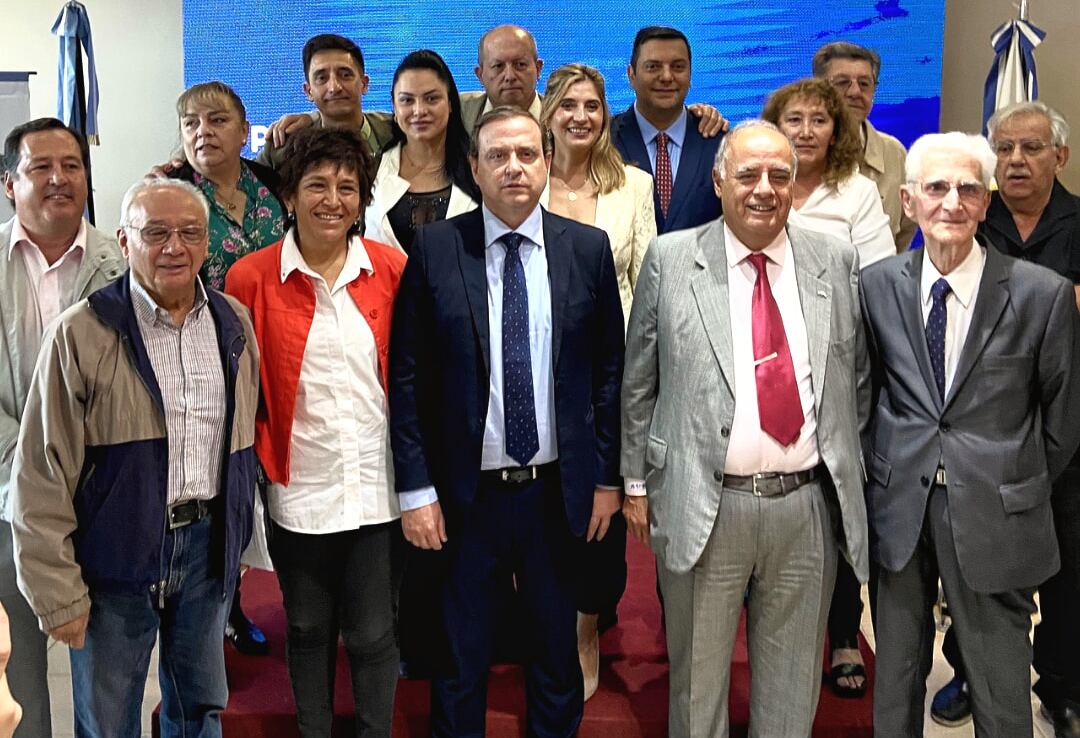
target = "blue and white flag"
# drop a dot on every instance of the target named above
(1012, 77)
(76, 97)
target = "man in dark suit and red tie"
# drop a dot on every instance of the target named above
(656, 135)
(505, 368)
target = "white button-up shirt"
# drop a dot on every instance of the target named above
(959, 303)
(341, 475)
(750, 449)
(50, 288)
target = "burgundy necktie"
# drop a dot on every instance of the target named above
(663, 172)
(777, 394)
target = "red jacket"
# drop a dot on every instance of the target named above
(282, 315)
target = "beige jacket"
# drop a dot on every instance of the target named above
(883, 162)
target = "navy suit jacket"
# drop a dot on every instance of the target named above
(693, 200)
(439, 362)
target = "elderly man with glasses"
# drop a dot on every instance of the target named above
(975, 357)
(854, 71)
(134, 475)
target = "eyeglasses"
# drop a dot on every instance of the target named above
(158, 235)
(866, 84)
(1027, 148)
(971, 192)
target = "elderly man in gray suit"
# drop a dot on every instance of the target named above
(50, 257)
(740, 436)
(975, 358)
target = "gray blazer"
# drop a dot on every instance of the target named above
(101, 264)
(1006, 429)
(678, 396)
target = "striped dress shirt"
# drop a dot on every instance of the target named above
(187, 363)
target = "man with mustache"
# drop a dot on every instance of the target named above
(50, 257)
(134, 475)
(1033, 217)
(740, 439)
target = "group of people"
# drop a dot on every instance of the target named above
(476, 341)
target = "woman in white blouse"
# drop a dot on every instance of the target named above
(829, 194)
(321, 304)
(589, 182)
(425, 176)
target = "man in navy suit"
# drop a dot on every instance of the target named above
(505, 368)
(653, 133)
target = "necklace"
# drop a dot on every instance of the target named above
(571, 192)
(229, 203)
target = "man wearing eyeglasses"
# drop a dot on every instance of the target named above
(1033, 217)
(975, 359)
(854, 71)
(50, 257)
(134, 475)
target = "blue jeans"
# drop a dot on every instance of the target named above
(109, 673)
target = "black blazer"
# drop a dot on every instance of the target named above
(439, 362)
(693, 200)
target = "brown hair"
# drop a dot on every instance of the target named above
(311, 147)
(605, 163)
(210, 91)
(845, 153)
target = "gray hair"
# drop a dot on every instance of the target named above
(725, 142)
(1059, 128)
(153, 183)
(968, 144)
(846, 50)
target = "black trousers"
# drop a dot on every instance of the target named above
(340, 583)
(602, 572)
(517, 530)
(1057, 636)
(845, 610)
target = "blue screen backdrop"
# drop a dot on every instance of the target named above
(742, 49)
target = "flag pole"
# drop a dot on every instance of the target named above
(1023, 10)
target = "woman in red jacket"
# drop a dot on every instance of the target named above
(321, 302)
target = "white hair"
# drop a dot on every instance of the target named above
(1059, 128)
(153, 183)
(725, 142)
(968, 144)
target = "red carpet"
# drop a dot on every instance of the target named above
(631, 701)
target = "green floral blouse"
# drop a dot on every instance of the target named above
(264, 224)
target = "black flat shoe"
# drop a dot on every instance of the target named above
(247, 638)
(1066, 721)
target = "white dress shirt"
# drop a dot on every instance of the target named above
(50, 288)
(534, 259)
(340, 475)
(964, 283)
(852, 212)
(750, 449)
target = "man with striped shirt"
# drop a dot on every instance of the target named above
(134, 475)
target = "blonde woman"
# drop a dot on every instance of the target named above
(590, 183)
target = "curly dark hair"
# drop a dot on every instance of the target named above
(845, 153)
(314, 146)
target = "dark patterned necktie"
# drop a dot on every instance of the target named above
(663, 172)
(779, 407)
(519, 407)
(935, 332)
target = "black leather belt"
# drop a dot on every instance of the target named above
(516, 474)
(771, 484)
(190, 511)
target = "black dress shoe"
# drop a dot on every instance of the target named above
(951, 706)
(246, 638)
(1065, 719)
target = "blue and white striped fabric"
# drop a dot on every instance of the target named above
(73, 28)
(1012, 76)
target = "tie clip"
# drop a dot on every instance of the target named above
(763, 359)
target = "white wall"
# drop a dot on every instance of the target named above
(139, 54)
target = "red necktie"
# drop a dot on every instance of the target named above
(777, 394)
(663, 172)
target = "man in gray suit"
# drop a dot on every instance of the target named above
(975, 359)
(744, 352)
(49, 258)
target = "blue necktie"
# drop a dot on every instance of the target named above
(935, 333)
(519, 407)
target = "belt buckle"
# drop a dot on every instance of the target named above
(754, 482)
(940, 478)
(521, 474)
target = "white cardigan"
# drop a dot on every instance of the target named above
(389, 187)
(628, 218)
